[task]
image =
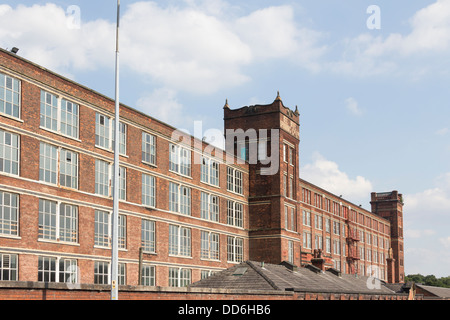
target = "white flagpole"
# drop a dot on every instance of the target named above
(115, 215)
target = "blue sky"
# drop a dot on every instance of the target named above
(374, 103)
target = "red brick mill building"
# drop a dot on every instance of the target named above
(184, 214)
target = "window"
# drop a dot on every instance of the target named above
(180, 160)
(148, 276)
(291, 158)
(148, 190)
(48, 163)
(59, 115)
(103, 229)
(9, 214)
(328, 245)
(291, 251)
(179, 199)
(307, 240)
(9, 152)
(209, 245)
(235, 214)
(104, 178)
(49, 166)
(9, 96)
(291, 187)
(318, 242)
(337, 247)
(336, 227)
(235, 248)
(306, 218)
(58, 221)
(289, 218)
(179, 241)
(234, 180)
(148, 238)
(104, 133)
(101, 272)
(210, 171)
(285, 184)
(52, 269)
(179, 277)
(318, 222)
(204, 274)
(148, 148)
(68, 173)
(8, 267)
(209, 207)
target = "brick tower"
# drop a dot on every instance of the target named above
(389, 205)
(270, 139)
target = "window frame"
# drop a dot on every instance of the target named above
(14, 210)
(50, 226)
(57, 122)
(14, 93)
(12, 148)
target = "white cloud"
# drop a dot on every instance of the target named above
(193, 46)
(43, 35)
(442, 132)
(327, 175)
(163, 105)
(445, 242)
(429, 37)
(352, 105)
(416, 233)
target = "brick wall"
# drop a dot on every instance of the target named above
(54, 291)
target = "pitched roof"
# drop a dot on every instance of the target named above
(253, 275)
(436, 291)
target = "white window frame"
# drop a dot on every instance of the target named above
(148, 275)
(148, 190)
(104, 133)
(209, 171)
(103, 230)
(104, 182)
(58, 224)
(13, 97)
(180, 160)
(9, 214)
(291, 251)
(148, 235)
(235, 249)
(235, 180)
(9, 267)
(209, 206)
(179, 198)
(179, 277)
(59, 115)
(148, 148)
(53, 160)
(180, 241)
(210, 245)
(307, 218)
(235, 214)
(46, 270)
(9, 145)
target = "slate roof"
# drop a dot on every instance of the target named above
(251, 275)
(436, 291)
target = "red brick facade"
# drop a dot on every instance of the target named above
(268, 232)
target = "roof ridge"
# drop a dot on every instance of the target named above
(256, 269)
